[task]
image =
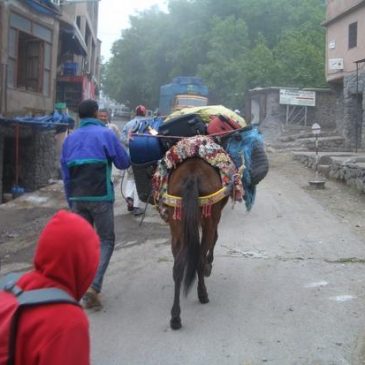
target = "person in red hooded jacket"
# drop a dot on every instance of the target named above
(67, 257)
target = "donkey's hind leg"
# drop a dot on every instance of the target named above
(210, 257)
(216, 216)
(202, 290)
(178, 274)
(207, 245)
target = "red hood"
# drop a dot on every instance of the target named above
(66, 257)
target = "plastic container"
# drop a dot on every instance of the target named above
(17, 191)
(70, 69)
(145, 148)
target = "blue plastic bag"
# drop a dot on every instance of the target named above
(240, 147)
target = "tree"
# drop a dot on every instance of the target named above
(260, 65)
(224, 70)
(234, 45)
(300, 61)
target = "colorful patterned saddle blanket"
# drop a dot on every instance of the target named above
(205, 148)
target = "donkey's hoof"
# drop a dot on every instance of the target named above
(207, 270)
(204, 299)
(175, 323)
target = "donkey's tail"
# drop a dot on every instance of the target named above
(191, 216)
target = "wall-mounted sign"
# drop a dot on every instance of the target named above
(335, 64)
(332, 44)
(297, 97)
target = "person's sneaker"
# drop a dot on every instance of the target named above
(137, 211)
(129, 204)
(91, 300)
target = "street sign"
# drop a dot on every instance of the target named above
(335, 64)
(297, 97)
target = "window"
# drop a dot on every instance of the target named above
(30, 55)
(47, 68)
(29, 62)
(13, 51)
(20, 22)
(353, 35)
(87, 35)
(42, 32)
(78, 22)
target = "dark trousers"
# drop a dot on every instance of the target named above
(101, 216)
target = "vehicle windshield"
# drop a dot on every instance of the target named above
(188, 100)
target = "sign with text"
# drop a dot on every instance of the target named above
(297, 97)
(335, 63)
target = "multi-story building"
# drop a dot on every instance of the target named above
(49, 52)
(47, 48)
(28, 56)
(345, 66)
(79, 53)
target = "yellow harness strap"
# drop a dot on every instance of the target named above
(176, 201)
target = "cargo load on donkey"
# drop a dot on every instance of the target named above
(154, 137)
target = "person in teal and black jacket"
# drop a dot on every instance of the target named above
(87, 157)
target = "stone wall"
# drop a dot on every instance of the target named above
(40, 162)
(352, 173)
(339, 108)
(328, 143)
(346, 167)
(1, 165)
(324, 112)
(37, 157)
(354, 105)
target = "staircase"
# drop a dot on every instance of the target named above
(300, 138)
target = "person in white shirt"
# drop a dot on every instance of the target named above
(130, 191)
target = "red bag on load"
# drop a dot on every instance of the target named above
(220, 124)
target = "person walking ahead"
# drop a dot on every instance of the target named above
(131, 194)
(87, 157)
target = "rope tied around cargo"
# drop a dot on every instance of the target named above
(156, 135)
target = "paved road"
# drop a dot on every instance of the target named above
(287, 287)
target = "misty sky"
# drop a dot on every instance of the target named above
(114, 16)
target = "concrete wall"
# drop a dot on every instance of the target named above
(21, 102)
(337, 7)
(17, 101)
(323, 113)
(349, 89)
(89, 19)
(273, 106)
(337, 42)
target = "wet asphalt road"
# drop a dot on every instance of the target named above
(287, 287)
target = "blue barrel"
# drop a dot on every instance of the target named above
(16, 191)
(145, 148)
